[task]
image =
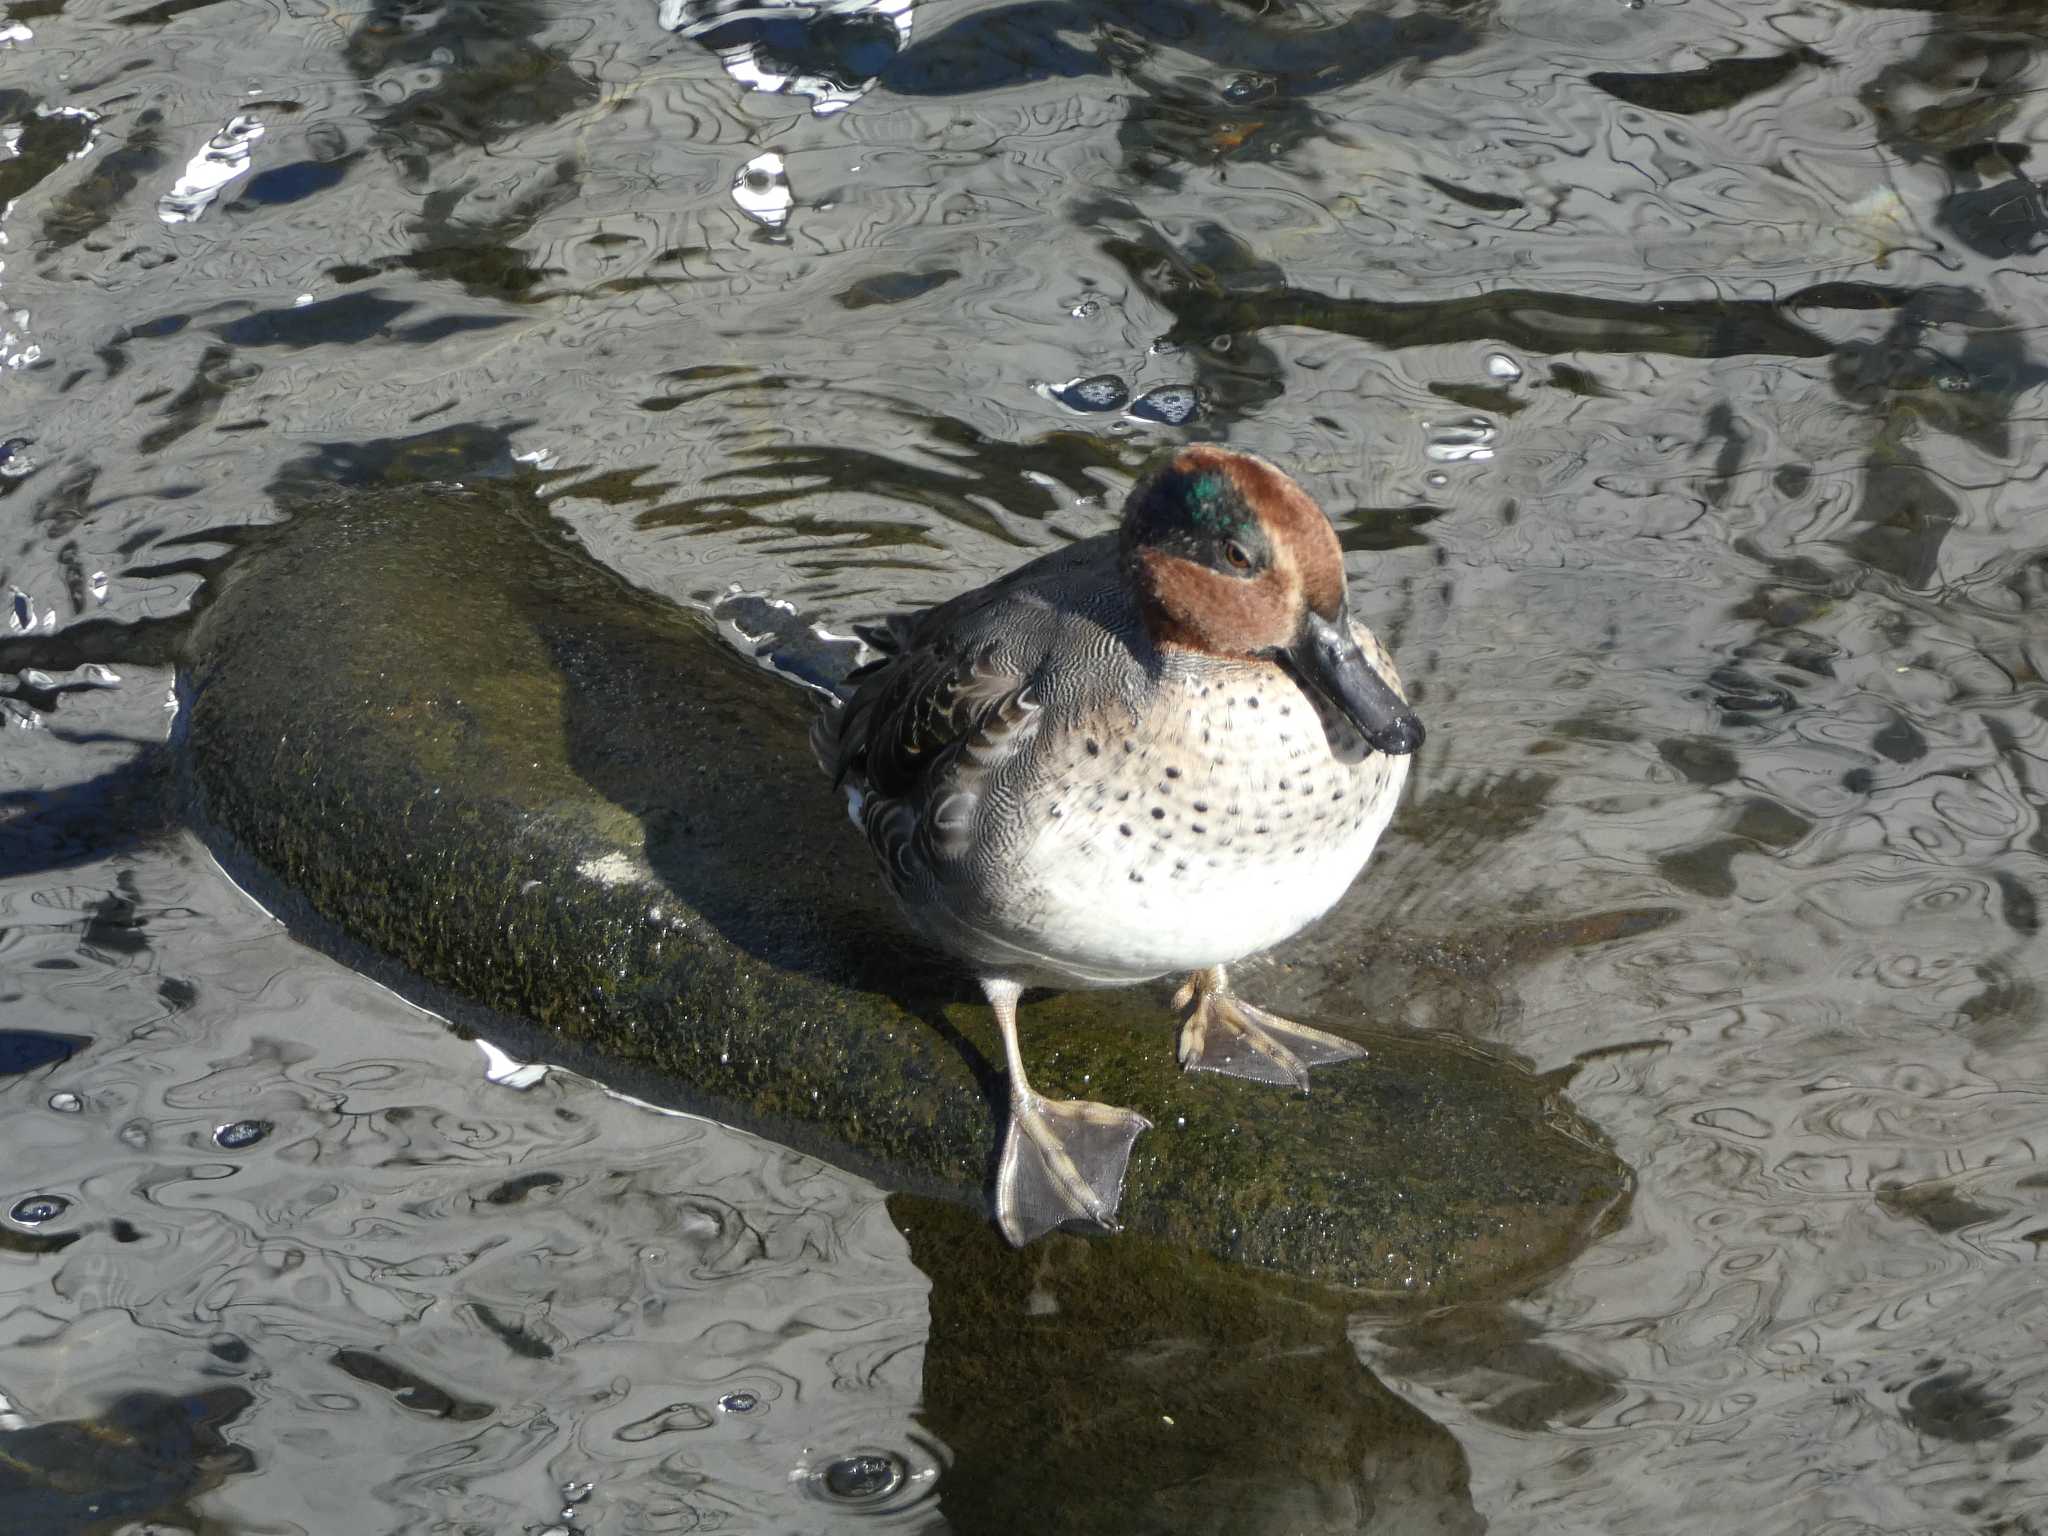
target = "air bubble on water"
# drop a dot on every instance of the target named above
(1436, 479)
(1087, 309)
(1170, 405)
(238, 1134)
(761, 188)
(97, 585)
(1469, 439)
(1500, 366)
(21, 610)
(34, 1210)
(66, 1103)
(1096, 393)
(739, 1402)
(863, 1478)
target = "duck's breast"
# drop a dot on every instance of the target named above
(1222, 817)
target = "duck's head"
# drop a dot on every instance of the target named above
(1231, 558)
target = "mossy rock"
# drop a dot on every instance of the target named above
(448, 743)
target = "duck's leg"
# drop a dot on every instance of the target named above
(1219, 1033)
(1062, 1158)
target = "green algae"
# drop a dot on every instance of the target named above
(456, 746)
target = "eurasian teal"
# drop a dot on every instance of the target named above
(1155, 751)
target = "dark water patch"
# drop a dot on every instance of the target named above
(141, 1460)
(1962, 86)
(30, 1050)
(1380, 529)
(1759, 825)
(1215, 287)
(1906, 515)
(117, 926)
(406, 1388)
(972, 471)
(1713, 87)
(1939, 1206)
(1485, 202)
(487, 74)
(127, 806)
(80, 211)
(1701, 760)
(1525, 1385)
(40, 141)
(515, 1191)
(1951, 1404)
(894, 288)
(1011, 45)
(515, 1336)
(354, 317)
(166, 11)
(294, 182)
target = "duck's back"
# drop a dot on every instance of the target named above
(937, 739)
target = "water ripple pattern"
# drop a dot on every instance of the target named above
(1673, 373)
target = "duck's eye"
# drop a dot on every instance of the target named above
(1239, 557)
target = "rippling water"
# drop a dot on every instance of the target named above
(1670, 367)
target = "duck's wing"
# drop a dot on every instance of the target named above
(951, 701)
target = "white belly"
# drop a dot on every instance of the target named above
(1183, 852)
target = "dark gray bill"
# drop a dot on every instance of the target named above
(1327, 659)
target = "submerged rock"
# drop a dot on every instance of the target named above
(1131, 1388)
(489, 771)
(139, 1462)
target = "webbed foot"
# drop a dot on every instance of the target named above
(1063, 1159)
(1219, 1033)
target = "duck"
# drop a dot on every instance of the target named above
(1157, 751)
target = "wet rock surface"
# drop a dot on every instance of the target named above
(570, 813)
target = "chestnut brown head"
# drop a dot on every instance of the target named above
(1231, 558)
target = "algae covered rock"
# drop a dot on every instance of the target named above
(447, 742)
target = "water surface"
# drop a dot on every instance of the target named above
(1671, 371)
